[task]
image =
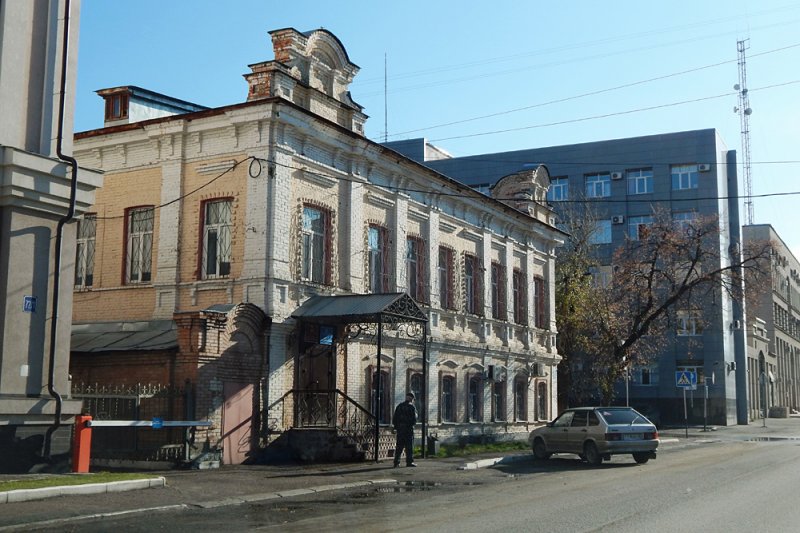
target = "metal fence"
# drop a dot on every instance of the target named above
(137, 402)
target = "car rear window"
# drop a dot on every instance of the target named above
(621, 416)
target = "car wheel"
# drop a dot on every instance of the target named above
(641, 458)
(540, 450)
(593, 457)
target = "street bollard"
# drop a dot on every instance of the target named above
(82, 444)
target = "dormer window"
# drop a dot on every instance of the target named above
(116, 106)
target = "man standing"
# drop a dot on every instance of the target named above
(405, 416)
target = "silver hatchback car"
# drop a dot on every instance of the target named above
(597, 433)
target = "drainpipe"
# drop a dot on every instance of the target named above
(60, 235)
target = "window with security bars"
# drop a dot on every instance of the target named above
(216, 239)
(378, 259)
(84, 251)
(315, 245)
(140, 245)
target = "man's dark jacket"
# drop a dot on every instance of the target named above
(405, 416)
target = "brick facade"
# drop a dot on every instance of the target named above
(312, 159)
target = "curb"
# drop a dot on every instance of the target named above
(27, 495)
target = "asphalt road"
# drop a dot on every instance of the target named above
(708, 486)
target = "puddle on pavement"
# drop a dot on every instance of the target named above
(409, 486)
(771, 439)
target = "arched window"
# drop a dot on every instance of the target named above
(448, 398)
(474, 399)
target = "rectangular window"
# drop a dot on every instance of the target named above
(521, 399)
(640, 181)
(684, 177)
(315, 245)
(140, 245)
(520, 289)
(84, 251)
(498, 291)
(690, 323)
(539, 303)
(472, 285)
(378, 259)
(685, 220)
(448, 408)
(217, 239)
(638, 226)
(648, 375)
(598, 185)
(559, 190)
(116, 106)
(601, 233)
(475, 407)
(446, 278)
(499, 399)
(415, 269)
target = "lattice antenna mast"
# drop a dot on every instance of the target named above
(744, 120)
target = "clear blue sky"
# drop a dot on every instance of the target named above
(456, 61)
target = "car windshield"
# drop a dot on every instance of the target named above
(622, 416)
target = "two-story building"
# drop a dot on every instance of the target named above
(298, 275)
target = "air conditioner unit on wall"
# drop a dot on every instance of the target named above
(703, 167)
(616, 175)
(618, 219)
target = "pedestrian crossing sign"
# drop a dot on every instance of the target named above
(686, 379)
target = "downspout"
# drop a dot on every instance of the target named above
(60, 235)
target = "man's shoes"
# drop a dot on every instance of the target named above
(411, 464)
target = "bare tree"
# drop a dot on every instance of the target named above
(666, 267)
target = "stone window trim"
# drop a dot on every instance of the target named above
(201, 273)
(329, 215)
(498, 281)
(449, 377)
(385, 245)
(137, 262)
(420, 268)
(473, 400)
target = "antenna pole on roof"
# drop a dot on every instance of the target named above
(385, 100)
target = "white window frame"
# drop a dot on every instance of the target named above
(140, 241)
(598, 185)
(689, 323)
(314, 247)
(559, 190)
(376, 244)
(651, 373)
(601, 234)
(84, 250)
(640, 181)
(684, 177)
(636, 224)
(220, 230)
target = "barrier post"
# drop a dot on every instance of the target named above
(82, 444)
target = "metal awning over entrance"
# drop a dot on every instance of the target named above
(357, 312)
(361, 308)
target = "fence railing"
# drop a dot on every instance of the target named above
(137, 402)
(331, 409)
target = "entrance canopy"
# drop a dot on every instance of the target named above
(361, 309)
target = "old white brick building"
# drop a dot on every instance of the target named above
(228, 220)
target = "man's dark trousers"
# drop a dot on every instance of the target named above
(405, 441)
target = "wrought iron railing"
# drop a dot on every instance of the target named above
(331, 409)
